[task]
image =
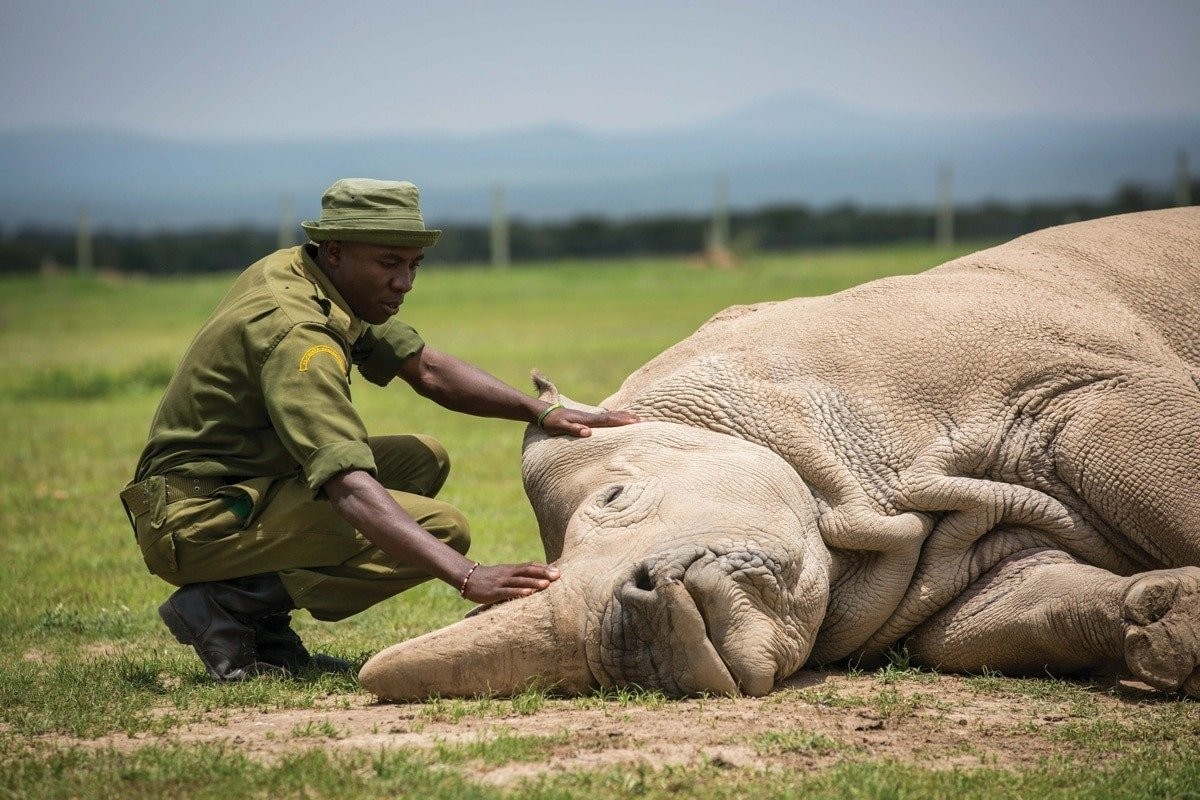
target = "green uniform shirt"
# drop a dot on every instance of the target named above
(264, 388)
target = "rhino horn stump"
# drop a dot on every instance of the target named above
(502, 651)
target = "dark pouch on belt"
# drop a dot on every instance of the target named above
(243, 497)
(240, 506)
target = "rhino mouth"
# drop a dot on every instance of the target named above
(694, 622)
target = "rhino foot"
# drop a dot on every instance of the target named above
(1162, 635)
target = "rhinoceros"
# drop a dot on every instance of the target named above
(994, 464)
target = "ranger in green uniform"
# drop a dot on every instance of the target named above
(260, 491)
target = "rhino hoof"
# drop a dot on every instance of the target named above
(1162, 635)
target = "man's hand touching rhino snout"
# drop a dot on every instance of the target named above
(507, 581)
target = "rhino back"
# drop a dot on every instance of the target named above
(1149, 262)
(952, 348)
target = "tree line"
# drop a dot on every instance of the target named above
(769, 228)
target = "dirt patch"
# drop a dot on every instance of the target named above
(814, 720)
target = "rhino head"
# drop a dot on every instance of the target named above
(691, 563)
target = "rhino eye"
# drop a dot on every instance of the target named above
(613, 494)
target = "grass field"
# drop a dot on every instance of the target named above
(96, 700)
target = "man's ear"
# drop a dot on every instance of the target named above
(333, 252)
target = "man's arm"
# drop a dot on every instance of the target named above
(454, 384)
(366, 504)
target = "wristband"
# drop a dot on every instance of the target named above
(546, 412)
(462, 590)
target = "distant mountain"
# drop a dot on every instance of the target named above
(792, 149)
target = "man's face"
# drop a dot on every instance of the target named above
(373, 278)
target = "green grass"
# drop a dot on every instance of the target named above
(208, 771)
(85, 655)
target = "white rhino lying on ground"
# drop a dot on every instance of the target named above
(995, 464)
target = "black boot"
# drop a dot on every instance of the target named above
(278, 644)
(217, 620)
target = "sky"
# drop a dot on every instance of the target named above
(258, 69)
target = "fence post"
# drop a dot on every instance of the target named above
(944, 226)
(287, 222)
(718, 232)
(84, 263)
(500, 255)
(1183, 180)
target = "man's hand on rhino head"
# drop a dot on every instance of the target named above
(507, 581)
(574, 422)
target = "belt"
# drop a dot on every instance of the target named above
(139, 498)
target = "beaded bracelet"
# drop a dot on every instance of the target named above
(462, 590)
(546, 412)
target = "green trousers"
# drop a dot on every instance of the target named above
(276, 525)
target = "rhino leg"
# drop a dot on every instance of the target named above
(1128, 448)
(1042, 612)
(1162, 635)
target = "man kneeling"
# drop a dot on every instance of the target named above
(259, 490)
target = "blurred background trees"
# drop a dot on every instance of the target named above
(769, 228)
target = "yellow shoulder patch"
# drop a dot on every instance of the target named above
(316, 350)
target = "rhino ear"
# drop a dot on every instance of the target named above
(545, 387)
(549, 392)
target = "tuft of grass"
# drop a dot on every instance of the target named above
(830, 697)
(900, 667)
(890, 703)
(115, 622)
(438, 709)
(988, 681)
(502, 748)
(622, 697)
(1156, 726)
(796, 741)
(1045, 691)
(525, 703)
(529, 701)
(317, 729)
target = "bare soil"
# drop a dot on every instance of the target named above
(815, 720)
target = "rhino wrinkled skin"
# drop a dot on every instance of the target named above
(994, 464)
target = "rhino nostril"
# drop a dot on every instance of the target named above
(641, 578)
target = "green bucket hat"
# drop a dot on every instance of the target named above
(374, 212)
